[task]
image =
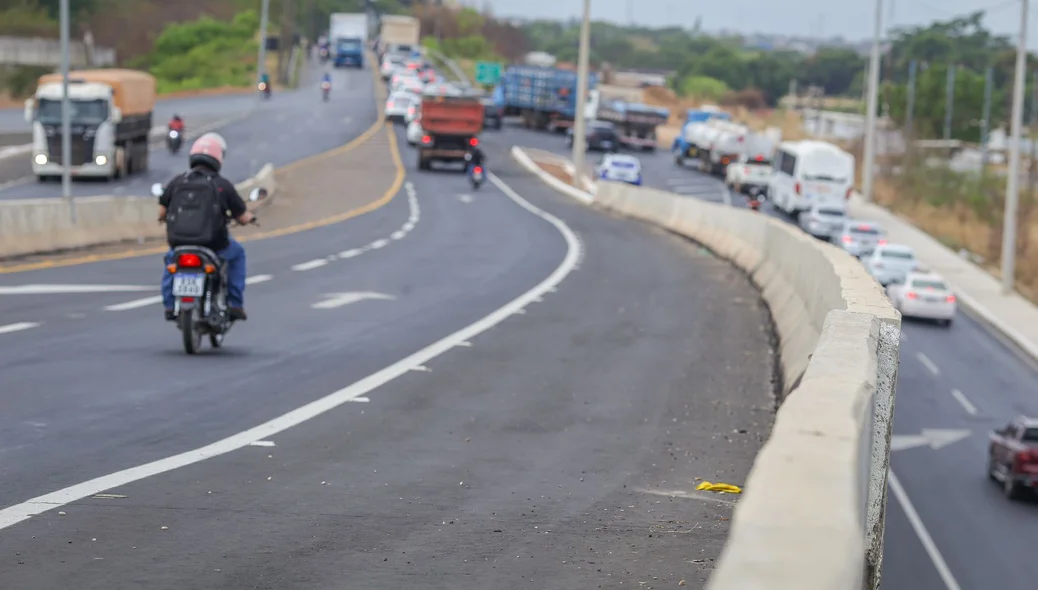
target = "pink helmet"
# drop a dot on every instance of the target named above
(208, 151)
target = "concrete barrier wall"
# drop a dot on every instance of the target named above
(812, 513)
(37, 226)
(36, 51)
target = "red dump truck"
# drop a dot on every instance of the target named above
(451, 125)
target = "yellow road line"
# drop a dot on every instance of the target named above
(394, 188)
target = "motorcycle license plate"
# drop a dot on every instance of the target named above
(477, 176)
(188, 285)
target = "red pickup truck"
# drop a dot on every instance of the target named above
(1013, 457)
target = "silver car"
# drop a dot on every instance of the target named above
(860, 238)
(891, 263)
(823, 221)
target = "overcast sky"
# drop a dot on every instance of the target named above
(852, 20)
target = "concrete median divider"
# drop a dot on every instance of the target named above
(40, 226)
(812, 513)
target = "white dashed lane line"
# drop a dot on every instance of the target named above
(17, 327)
(930, 366)
(156, 299)
(310, 265)
(964, 402)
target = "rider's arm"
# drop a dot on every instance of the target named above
(235, 204)
(164, 200)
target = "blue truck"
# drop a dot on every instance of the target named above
(545, 98)
(681, 147)
(348, 36)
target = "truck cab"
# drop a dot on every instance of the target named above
(110, 119)
(349, 51)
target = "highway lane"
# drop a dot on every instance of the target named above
(978, 385)
(290, 126)
(549, 437)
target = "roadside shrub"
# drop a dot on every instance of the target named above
(206, 53)
(25, 19)
(704, 87)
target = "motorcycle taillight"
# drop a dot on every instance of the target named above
(189, 261)
(478, 170)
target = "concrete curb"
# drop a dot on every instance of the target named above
(812, 515)
(43, 226)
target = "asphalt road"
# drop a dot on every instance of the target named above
(959, 378)
(290, 126)
(557, 444)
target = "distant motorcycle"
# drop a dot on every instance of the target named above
(265, 89)
(326, 89)
(200, 290)
(476, 173)
(174, 141)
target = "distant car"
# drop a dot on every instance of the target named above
(412, 85)
(620, 168)
(891, 263)
(397, 105)
(749, 177)
(1013, 457)
(493, 114)
(923, 295)
(400, 75)
(428, 76)
(390, 65)
(823, 221)
(859, 238)
(600, 135)
(414, 125)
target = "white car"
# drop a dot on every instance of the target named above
(391, 64)
(749, 176)
(620, 168)
(824, 221)
(408, 84)
(400, 75)
(891, 263)
(414, 125)
(397, 105)
(923, 295)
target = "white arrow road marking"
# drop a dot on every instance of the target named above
(339, 299)
(17, 327)
(56, 289)
(262, 443)
(935, 438)
(465, 198)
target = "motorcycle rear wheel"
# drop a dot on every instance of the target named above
(192, 336)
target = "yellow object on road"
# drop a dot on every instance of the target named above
(724, 488)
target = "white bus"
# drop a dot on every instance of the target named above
(810, 172)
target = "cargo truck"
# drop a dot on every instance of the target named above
(686, 143)
(545, 98)
(399, 35)
(635, 123)
(348, 38)
(111, 112)
(451, 124)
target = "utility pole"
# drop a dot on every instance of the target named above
(985, 122)
(66, 115)
(1013, 180)
(949, 102)
(261, 61)
(579, 138)
(285, 40)
(872, 107)
(910, 107)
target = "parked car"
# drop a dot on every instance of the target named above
(493, 114)
(823, 220)
(1013, 457)
(923, 295)
(620, 168)
(891, 263)
(860, 238)
(600, 135)
(397, 105)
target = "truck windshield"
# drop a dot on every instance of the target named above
(1030, 435)
(348, 45)
(89, 112)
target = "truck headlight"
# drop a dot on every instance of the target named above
(40, 159)
(101, 160)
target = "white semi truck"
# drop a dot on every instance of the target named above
(110, 112)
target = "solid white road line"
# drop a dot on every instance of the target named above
(17, 327)
(965, 402)
(58, 289)
(17, 513)
(310, 265)
(920, 530)
(930, 366)
(135, 303)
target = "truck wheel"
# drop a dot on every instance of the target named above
(144, 157)
(423, 164)
(1011, 489)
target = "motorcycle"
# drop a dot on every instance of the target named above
(200, 290)
(265, 89)
(324, 55)
(173, 141)
(754, 205)
(476, 173)
(326, 89)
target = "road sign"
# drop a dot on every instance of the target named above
(488, 73)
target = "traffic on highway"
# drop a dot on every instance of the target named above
(451, 371)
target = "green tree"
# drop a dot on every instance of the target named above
(931, 88)
(833, 69)
(75, 7)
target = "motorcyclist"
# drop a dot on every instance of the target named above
(176, 124)
(207, 156)
(265, 81)
(475, 156)
(326, 79)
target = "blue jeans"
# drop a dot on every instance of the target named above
(234, 255)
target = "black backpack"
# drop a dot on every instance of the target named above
(196, 215)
